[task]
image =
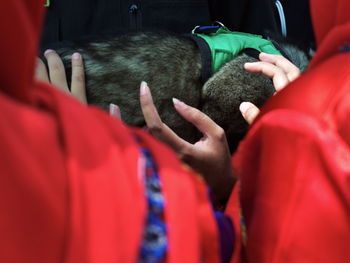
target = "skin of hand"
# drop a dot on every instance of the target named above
(209, 156)
(276, 67)
(56, 74)
(57, 77)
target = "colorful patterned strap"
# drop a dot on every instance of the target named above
(154, 244)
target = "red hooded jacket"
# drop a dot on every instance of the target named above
(69, 182)
(295, 161)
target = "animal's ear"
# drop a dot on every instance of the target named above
(296, 55)
(294, 51)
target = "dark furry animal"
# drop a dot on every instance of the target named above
(171, 65)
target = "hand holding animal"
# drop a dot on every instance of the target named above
(174, 66)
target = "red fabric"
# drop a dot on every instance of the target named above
(331, 26)
(234, 210)
(69, 185)
(295, 161)
(295, 191)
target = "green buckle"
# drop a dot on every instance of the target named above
(47, 3)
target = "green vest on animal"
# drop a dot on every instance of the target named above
(225, 45)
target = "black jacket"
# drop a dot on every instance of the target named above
(70, 19)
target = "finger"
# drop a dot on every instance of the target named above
(40, 71)
(287, 66)
(78, 78)
(114, 111)
(203, 123)
(278, 76)
(56, 70)
(249, 111)
(155, 125)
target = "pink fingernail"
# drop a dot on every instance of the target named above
(114, 110)
(76, 56)
(179, 103)
(144, 88)
(48, 51)
(244, 107)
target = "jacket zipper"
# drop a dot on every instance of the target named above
(135, 17)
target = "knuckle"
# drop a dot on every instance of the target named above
(146, 104)
(185, 156)
(155, 128)
(79, 77)
(78, 65)
(197, 116)
(279, 70)
(251, 114)
(220, 134)
(56, 66)
(294, 74)
(279, 57)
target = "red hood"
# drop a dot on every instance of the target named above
(323, 91)
(331, 21)
(20, 24)
(294, 161)
(55, 175)
(318, 91)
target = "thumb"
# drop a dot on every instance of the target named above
(249, 111)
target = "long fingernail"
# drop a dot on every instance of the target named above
(114, 110)
(144, 88)
(48, 51)
(179, 103)
(76, 56)
(244, 107)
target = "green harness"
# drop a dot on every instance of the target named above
(225, 45)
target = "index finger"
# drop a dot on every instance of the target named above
(287, 66)
(155, 124)
(278, 76)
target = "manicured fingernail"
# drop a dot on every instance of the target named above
(76, 56)
(244, 107)
(179, 103)
(114, 110)
(48, 51)
(144, 88)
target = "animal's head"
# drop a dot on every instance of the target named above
(232, 84)
(226, 89)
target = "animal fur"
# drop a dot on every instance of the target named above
(171, 65)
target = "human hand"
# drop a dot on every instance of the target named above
(276, 67)
(57, 74)
(209, 156)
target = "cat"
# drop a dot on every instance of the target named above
(172, 66)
